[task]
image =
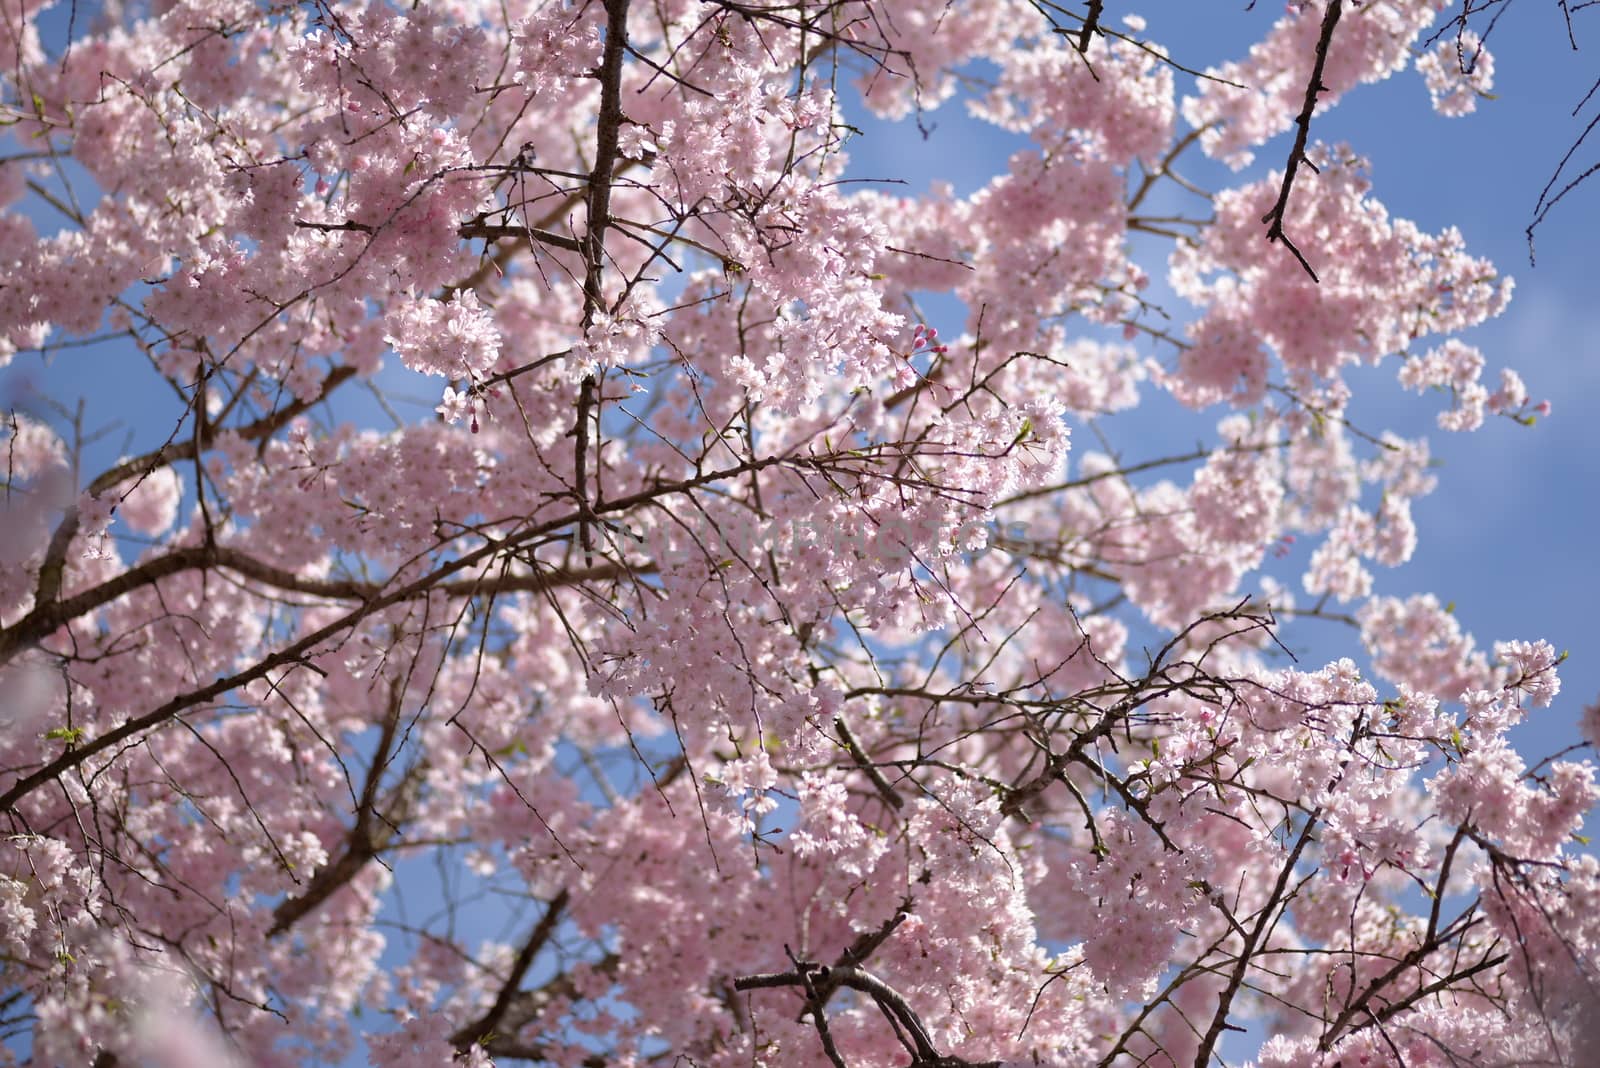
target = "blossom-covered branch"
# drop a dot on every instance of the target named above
(601, 584)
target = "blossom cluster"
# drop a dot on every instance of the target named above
(616, 588)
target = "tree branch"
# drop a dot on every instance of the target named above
(608, 126)
(297, 651)
(38, 623)
(481, 1028)
(1302, 122)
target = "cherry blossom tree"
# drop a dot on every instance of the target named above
(794, 679)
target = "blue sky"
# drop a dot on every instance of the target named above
(1509, 534)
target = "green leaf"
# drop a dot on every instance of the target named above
(517, 746)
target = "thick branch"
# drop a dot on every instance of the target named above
(608, 126)
(363, 842)
(38, 623)
(481, 1028)
(53, 569)
(469, 231)
(296, 652)
(1091, 23)
(1219, 1022)
(859, 755)
(889, 1001)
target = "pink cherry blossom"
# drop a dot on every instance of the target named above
(607, 587)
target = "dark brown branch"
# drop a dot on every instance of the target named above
(1546, 201)
(526, 1005)
(505, 1050)
(1429, 943)
(480, 1029)
(608, 125)
(328, 880)
(488, 232)
(819, 1017)
(1049, 9)
(52, 570)
(879, 783)
(1388, 1012)
(364, 842)
(296, 652)
(468, 231)
(1091, 23)
(1302, 122)
(1247, 952)
(347, 225)
(40, 622)
(1133, 469)
(889, 1001)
